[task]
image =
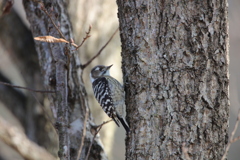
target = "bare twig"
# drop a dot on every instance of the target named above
(98, 128)
(50, 39)
(99, 52)
(44, 10)
(59, 31)
(235, 139)
(29, 89)
(84, 134)
(16, 139)
(185, 151)
(232, 139)
(85, 38)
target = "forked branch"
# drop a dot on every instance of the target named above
(98, 128)
(29, 89)
(51, 39)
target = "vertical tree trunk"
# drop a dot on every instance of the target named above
(61, 72)
(175, 62)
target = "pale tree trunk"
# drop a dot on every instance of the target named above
(175, 62)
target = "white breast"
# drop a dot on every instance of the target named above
(91, 78)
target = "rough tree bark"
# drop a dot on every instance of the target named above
(175, 62)
(61, 72)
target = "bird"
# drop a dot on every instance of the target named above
(109, 94)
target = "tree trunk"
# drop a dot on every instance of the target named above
(175, 62)
(61, 73)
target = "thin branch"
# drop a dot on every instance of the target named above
(16, 139)
(99, 52)
(235, 139)
(84, 134)
(98, 128)
(29, 89)
(59, 31)
(232, 139)
(53, 39)
(85, 38)
(50, 39)
(44, 10)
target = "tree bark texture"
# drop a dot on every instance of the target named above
(175, 64)
(61, 73)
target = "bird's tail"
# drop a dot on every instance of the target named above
(124, 123)
(116, 121)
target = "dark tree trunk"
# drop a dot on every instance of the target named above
(175, 62)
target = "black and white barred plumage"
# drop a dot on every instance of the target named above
(109, 93)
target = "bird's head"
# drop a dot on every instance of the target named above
(99, 71)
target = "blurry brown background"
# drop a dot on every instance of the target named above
(102, 16)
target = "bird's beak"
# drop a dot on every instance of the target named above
(108, 67)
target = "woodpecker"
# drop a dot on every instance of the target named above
(109, 94)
